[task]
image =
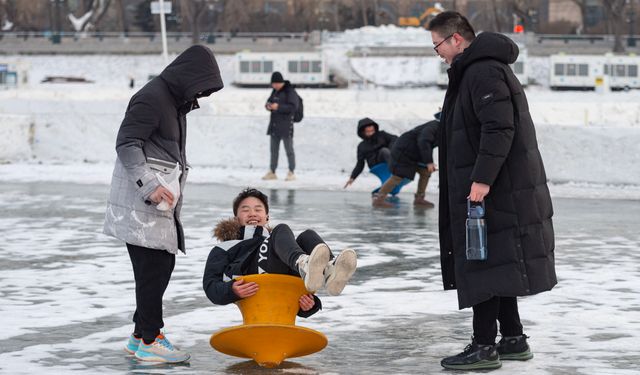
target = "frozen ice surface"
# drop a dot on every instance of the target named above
(67, 290)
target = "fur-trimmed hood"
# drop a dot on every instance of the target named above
(230, 229)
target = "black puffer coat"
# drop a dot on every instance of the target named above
(369, 147)
(281, 121)
(414, 148)
(487, 136)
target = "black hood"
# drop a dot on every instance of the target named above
(364, 123)
(195, 70)
(487, 45)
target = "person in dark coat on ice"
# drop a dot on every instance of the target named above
(142, 211)
(250, 247)
(375, 147)
(412, 153)
(488, 153)
(283, 104)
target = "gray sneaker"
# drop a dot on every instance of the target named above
(311, 267)
(338, 271)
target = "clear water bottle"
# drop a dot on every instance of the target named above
(476, 248)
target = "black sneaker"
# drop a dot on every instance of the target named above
(474, 357)
(514, 348)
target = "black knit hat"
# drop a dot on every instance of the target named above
(276, 77)
(250, 192)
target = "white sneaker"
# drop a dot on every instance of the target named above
(270, 176)
(161, 350)
(290, 176)
(311, 267)
(339, 271)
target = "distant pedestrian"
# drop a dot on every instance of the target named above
(375, 147)
(488, 153)
(144, 208)
(283, 104)
(412, 153)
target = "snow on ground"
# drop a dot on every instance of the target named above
(589, 141)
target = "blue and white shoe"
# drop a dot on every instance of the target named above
(161, 350)
(132, 345)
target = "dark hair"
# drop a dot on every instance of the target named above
(250, 192)
(450, 22)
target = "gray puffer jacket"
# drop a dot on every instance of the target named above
(152, 140)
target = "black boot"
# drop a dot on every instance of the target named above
(514, 348)
(474, 357)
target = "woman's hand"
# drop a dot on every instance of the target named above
(306, 302)
(161, 193)
(244, 290)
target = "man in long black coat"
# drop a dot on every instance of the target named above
(412, 153)
(488, 152)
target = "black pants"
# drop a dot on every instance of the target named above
(279, 252)
(485, 314)
(275, 152)
(383, 156)
(152, 270)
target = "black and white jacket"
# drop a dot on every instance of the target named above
(232, 258)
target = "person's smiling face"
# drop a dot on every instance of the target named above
(446, 46)
(251, 211)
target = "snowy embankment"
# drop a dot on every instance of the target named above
(589, 141)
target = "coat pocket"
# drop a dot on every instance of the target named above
(159, 165)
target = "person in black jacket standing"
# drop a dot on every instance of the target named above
(375, 147)
(488, 153)
(412, 153)
(283, 104)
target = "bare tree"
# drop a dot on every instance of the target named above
(496, 15)
(92, 12)
(194, 11)
(614, 11)
(122, 16)
(8, 13)
(582, 5)
(525, 10)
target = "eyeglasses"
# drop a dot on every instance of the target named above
(443, 40)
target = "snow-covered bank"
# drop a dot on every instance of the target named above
(228, 134)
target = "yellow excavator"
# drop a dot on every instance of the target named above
(424, 17)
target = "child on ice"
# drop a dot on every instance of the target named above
(251, 247)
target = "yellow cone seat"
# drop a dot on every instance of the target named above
(268, 334)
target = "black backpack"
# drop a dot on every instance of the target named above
(299, 114)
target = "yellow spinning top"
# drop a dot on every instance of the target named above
(268, 333)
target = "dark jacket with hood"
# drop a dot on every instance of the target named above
(151, 141)
(413, 149)
(368, 148)
(281, 121)
(487, 136)
(233, 257)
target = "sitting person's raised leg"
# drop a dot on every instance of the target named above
(339, 270)
(310, 265)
